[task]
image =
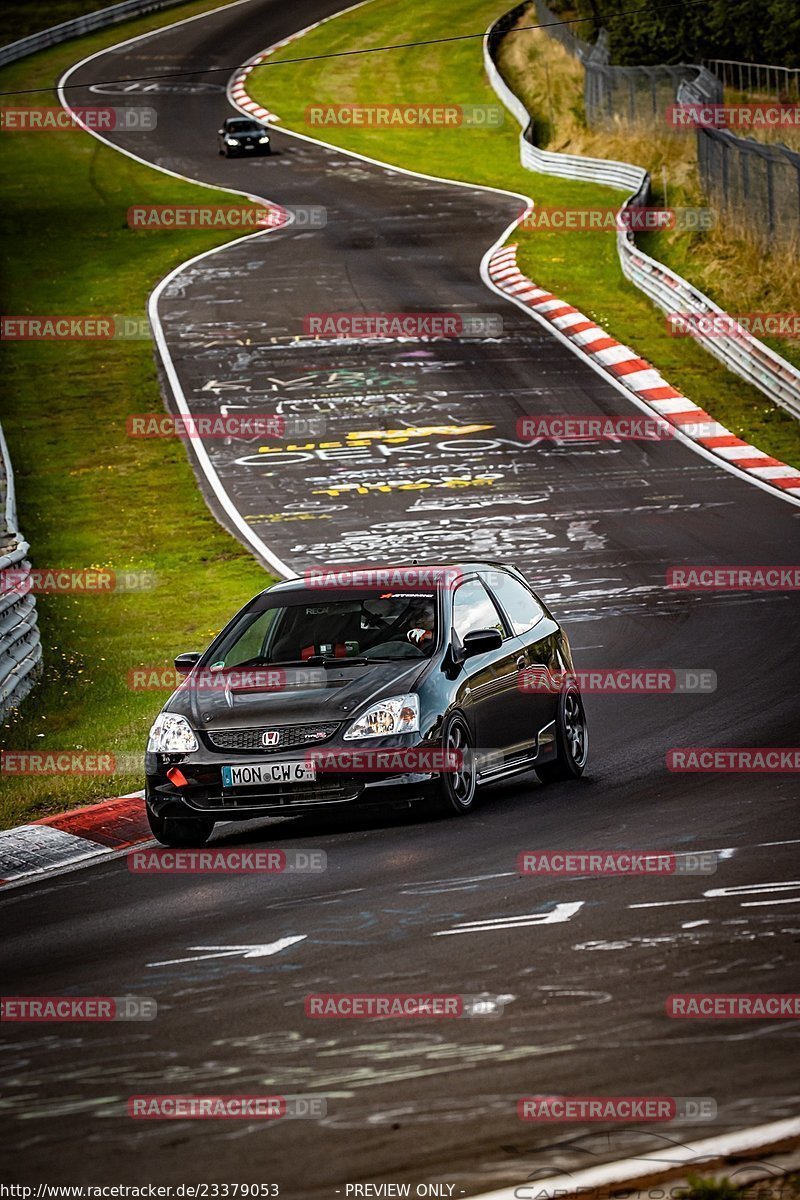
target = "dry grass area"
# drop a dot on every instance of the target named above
(739, 275)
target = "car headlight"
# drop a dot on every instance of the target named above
(232, 141)
(397, 714)
(264, 138)
(171, 734)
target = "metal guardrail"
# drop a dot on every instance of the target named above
(744, 354)
(88, 23)
(569, 166)
(20, 644)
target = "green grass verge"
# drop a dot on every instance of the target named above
(583, 269)
(88, 495)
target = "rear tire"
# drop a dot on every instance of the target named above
(179, 831)
(572, 740)
(457, 789)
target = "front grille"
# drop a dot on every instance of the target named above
(290, 737)
(299, 794)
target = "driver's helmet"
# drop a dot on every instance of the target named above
(421, 623)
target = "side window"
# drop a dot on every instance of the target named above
(250, 642)
(522, 610)
(473, 608)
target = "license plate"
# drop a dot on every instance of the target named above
(259, 774)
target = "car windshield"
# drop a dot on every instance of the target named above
(367, 627)
(243, 127)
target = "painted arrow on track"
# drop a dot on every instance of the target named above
(258, 951)
(559, 913)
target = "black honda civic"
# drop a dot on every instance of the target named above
(371, 686)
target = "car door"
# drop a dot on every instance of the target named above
(538, 662)
(488, 693)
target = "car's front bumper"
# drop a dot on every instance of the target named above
(250, 148)
(205, 796)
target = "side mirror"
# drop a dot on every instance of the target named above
(220, 131)
(482, 640)
(185, 662)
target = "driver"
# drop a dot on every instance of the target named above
(421, 632)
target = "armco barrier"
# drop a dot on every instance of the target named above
(744, 354)
(20, 645)
(80, 25)
(569, 166)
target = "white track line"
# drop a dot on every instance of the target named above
(607, 1176)
(249, 535)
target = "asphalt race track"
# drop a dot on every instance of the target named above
(595, 528)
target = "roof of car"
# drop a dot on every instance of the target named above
(301, 583)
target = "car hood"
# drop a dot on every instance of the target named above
(305, 695)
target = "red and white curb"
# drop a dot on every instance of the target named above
(72, 839)
(237, 91)
(638, 376)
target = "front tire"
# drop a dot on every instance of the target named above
(457, 789)
(572, 740)
(179, 832)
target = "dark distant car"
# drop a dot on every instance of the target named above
(243, 135)
(342, 689)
